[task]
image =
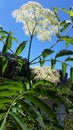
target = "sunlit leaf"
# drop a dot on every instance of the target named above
(64, 53)
(4, 101)
(64, 67)
(41, 61)
(69, 12)
(53, 62)
(2, 38)
(7, 84)
(20, 63)
(8, 43)
(46, 53)
(64, 24)
(4, 64)
(8, 93)
(15, 39)
(67, 39)
(56, 12)
(20, 48)
(8, 89)
(2, 32)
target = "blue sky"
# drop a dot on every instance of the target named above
(9, 23)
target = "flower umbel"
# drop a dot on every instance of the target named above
(37, 20)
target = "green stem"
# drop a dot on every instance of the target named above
(49, 48)
(29, 48)
(28, 72)
(58, 40)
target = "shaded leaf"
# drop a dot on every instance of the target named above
(68, 122)
(69, 59)
(20, 48)
(33, 112)
(37, 101)
(46, 52)
(51, 94)
(71, 75)
(3, 124)
(19, 120)
(64, 53)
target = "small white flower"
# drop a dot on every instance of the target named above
(37, 20)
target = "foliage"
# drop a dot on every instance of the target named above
(28, 105)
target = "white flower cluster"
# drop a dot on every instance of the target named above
(46, 73)
(37, 20)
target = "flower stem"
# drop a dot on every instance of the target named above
(29, 48)
(28, 72)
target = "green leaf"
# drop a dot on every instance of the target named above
(66, 11)
(64, 53)
(15, 39)
(71, 74)
(41, 61)
(3, 124)
(69, 59)
(4, 64)
(19, 120)
(55, 12)
(53, 62)
(32, 112)
(69, 12)
(46, 53)
(8, 89)
(20, 63)
(7, 84)
(38, 102)
(20, 48)
(50, 92)
(67, 39)
(5, 102)
(8, 43)
(2, 32)
(64, 24)
(44, 82)
(8, 93)
(64, 67)
(2, 38)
